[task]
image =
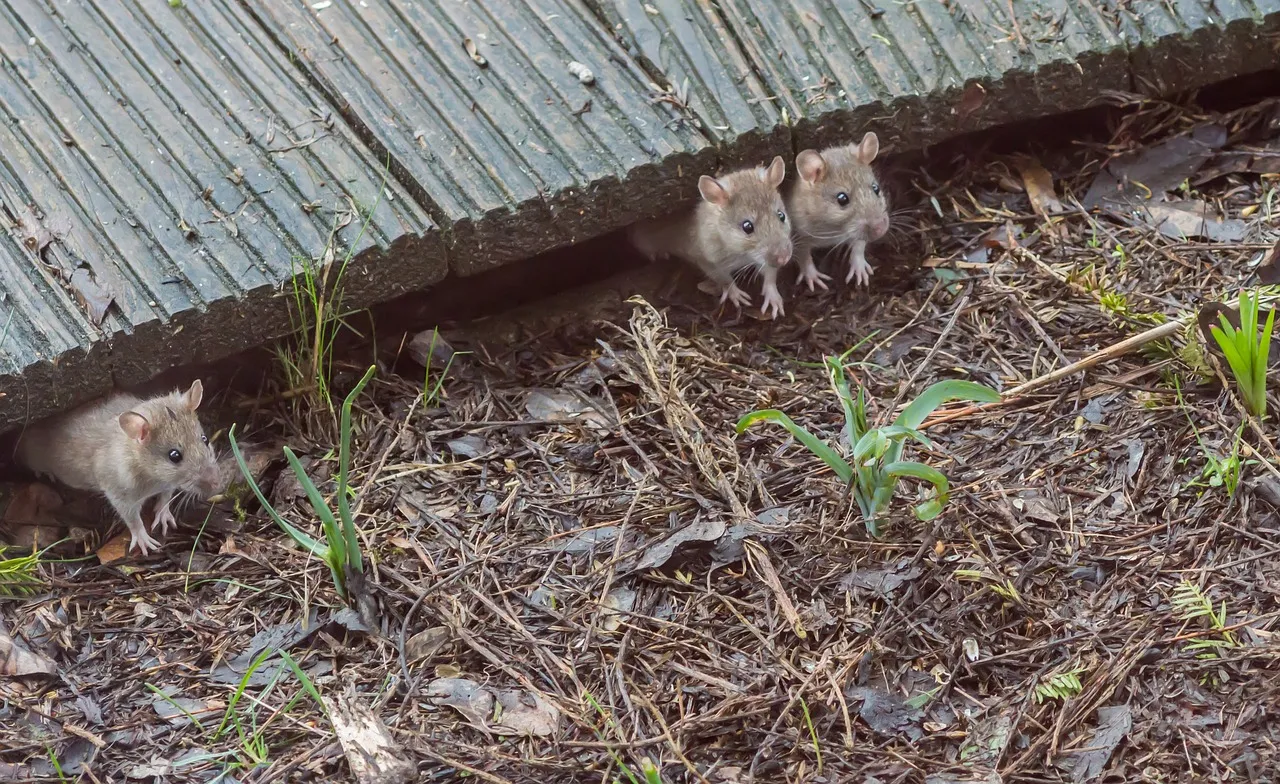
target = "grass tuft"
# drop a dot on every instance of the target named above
(341, 546)
(1247, 351)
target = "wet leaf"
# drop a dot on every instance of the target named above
(590, 540)
(1114, 723)
(881, 582)
(699, 532)
(887, 715)
(93, 297)
(1039, 185)
(1146, 174)
(17, 661)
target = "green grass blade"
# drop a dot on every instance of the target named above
(303, 540)
(835, 369)
(936, 395)
(351, 551)
(940, 393)
(828, 455)
(933, 507)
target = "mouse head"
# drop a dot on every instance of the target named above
(171, 446)
(748, 215)
(838, 197)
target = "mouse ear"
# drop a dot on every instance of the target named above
(194, 395)
(713, 190)
(811, 166)
(868, 148)
(135, 426)
(776, 172)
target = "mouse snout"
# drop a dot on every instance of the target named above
(779, 255)
(877, 227)
(209, 483)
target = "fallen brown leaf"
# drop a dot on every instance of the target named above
(95, 299)
(16, 661)
(1039, 185)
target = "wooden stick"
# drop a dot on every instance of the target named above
(1103, 355)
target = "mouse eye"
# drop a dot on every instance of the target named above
(782, 216)
(875, 188)
(842, 199)
(175, 456)
(204, 438)
(748, 227)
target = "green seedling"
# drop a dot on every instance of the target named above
(341, 546)
(1062, 686)
(1191, 604)
(431, 393)
(874, 463)
(1247, 351)
(18, 575)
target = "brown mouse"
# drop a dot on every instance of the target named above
(739, 226)
(837, 201)
(129, 449)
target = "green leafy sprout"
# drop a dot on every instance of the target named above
(1247, 351)
(874, 463)
(1060, 686)
(1192, 604)
(341, 546)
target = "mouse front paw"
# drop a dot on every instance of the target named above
(811, 277)
(735, 295)
(165, 520)
(772, 304)
(142, 542)
(860, 269)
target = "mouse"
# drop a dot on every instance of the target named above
(740, 225)
(130, 450)
(837, 201)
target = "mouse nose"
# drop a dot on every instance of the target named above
(878, 227)
(780, 257)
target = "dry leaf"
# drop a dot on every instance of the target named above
(1269, 267)
(373, 755)
(114, 549)
(504, 711)
(1183, 220)
(698, 532)
(614, 608)
(93, 297)
(1039, 185)
(971, 100)
(424, 644)
(474, 53)
(35, 235)
(33, 504)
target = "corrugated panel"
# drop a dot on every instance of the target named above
(833, 67)
(511, 151)
(692, 47)
(170, 161)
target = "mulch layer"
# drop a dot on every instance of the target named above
(575, 571)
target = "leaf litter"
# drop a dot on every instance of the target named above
(507, 645)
